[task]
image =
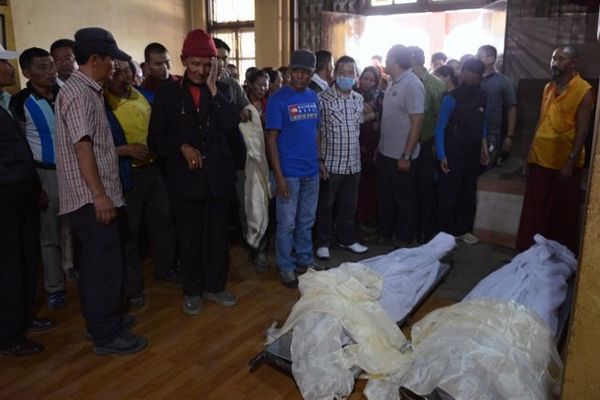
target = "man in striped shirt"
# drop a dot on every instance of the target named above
(341, 111)
(90, 191)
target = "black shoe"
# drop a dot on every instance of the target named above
(125, 343)
(23, 349)
(41, 324)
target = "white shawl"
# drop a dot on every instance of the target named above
(257, 188)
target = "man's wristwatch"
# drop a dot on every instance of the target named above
(406, 157)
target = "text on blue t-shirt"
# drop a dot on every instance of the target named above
(296, 116)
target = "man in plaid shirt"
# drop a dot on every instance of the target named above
(341, 111)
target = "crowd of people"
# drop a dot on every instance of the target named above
(113, 157)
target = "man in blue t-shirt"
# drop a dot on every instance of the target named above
(291, 141)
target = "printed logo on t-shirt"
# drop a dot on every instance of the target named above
(303, 111)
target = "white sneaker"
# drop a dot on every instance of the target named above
(469, 238)
(323, 253)
(355, 248)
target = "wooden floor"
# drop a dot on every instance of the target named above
(201, 357)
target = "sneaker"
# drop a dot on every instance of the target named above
(57, 300)
(289, 278)
(355, 248)
(192, 305)
(136, 302)
(323, 253)
(224, 298)
(125, 343)
(261, 262)
(468, 238)
(72, 275)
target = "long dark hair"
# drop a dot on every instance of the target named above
(253, 77)
(370, 95)
(448, 71)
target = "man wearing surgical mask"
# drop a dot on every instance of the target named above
(341, 111)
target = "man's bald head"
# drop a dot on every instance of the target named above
(564, 61)
(570, 50)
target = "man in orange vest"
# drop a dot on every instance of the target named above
(556, 157)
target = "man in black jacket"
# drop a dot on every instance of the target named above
(188, 127)
(19, 188)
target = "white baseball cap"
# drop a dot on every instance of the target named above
(7, 55)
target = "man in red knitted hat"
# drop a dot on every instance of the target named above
(189, 125)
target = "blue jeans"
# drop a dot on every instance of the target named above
(295, 218)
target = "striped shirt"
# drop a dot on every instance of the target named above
(37, 115)
(79, 113)
(341, 117)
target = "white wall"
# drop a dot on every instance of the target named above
(134, 23)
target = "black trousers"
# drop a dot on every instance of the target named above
(396, 199)
(99, 260)
(201, 227)
(148, 204)
(18, 261)
(339, 193)
(457, 194)
(425, 166)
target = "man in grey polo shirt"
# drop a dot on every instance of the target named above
(401, 120)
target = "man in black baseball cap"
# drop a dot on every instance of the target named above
(303, 59)
(98, 41)
(292, 147)
(90, 192)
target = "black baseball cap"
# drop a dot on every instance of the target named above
(303, 59)
(98, 40)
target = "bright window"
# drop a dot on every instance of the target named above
(233, 10)
(233, 22)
